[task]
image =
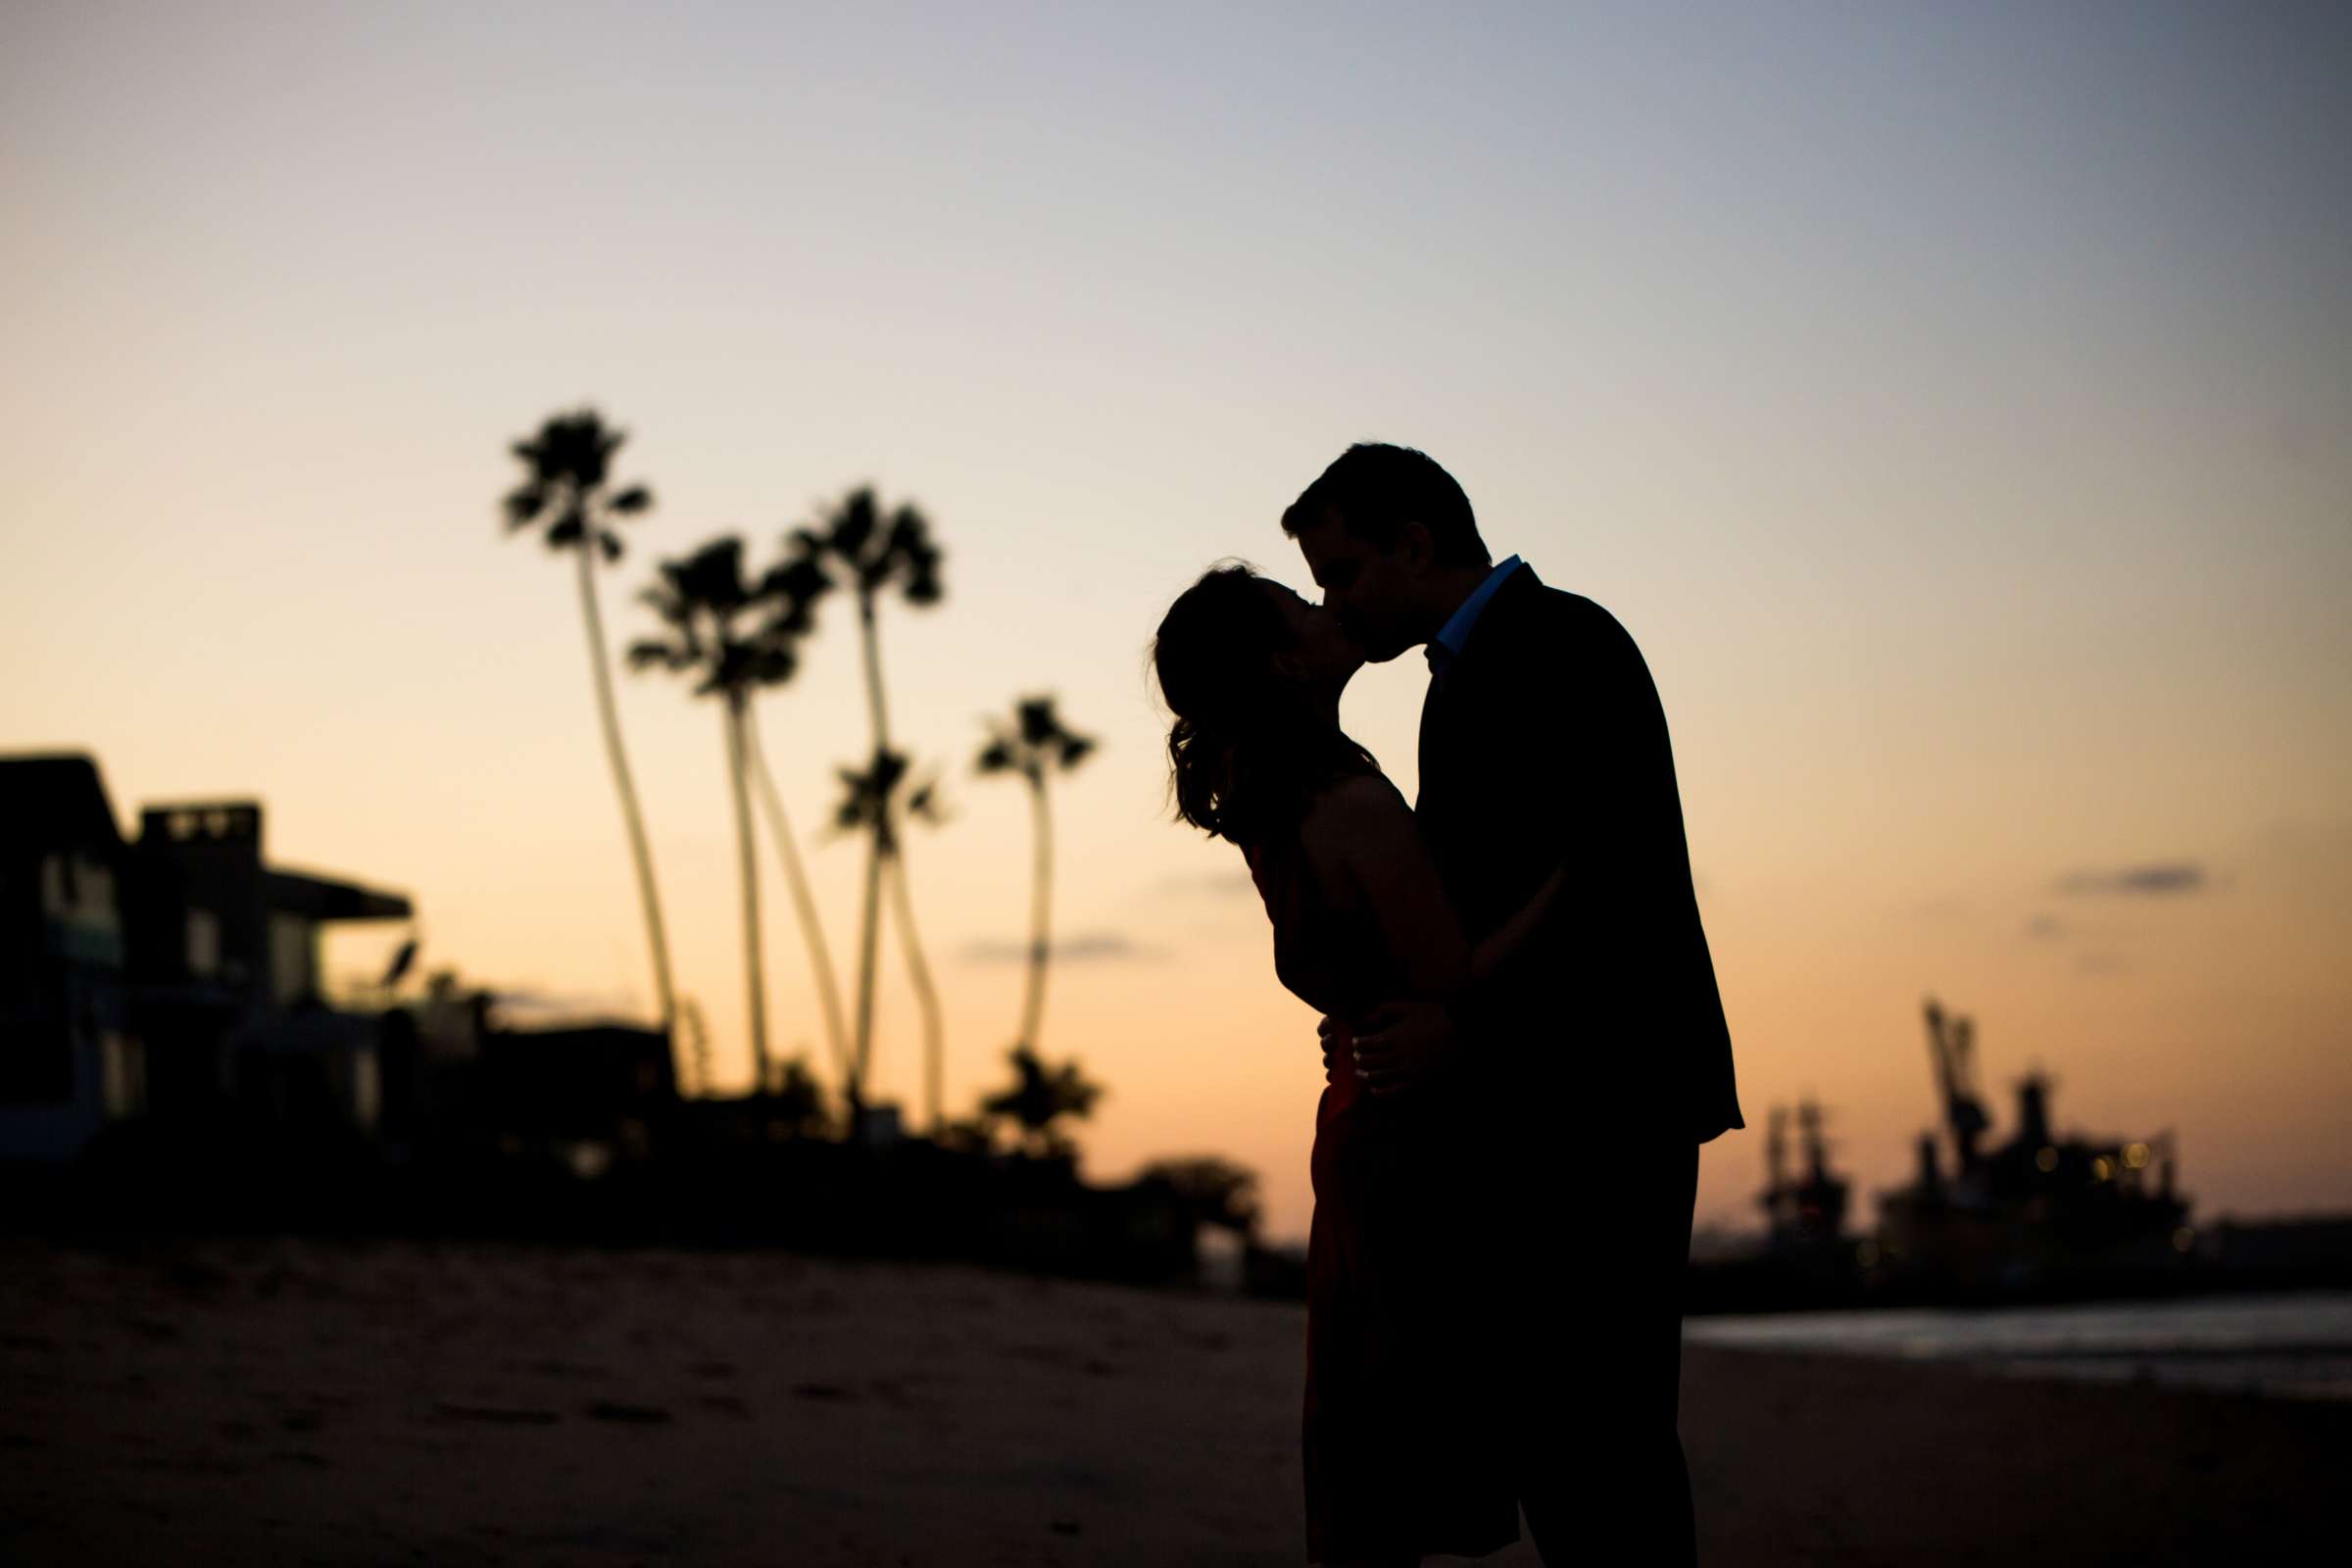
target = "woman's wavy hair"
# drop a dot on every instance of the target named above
(1245, 753)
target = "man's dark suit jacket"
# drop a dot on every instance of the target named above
(1542, 745)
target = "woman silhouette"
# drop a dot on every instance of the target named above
(1400, 1429)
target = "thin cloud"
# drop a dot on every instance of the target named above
(1084, 947)
(2045, 928)
(2157, 880)
(1943, 906)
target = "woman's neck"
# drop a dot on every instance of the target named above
(1322, 704)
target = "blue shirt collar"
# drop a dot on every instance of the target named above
(1457, 631)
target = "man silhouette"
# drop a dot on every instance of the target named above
(1600, 1055)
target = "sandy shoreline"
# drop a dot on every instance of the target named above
(272, 1401)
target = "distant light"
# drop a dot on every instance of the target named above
(2136, 1155)
(2183, 1239)
(2101, 1169)
(2047, 1159)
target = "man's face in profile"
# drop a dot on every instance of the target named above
(1369, 589)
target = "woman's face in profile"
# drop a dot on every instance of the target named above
(1321, 656)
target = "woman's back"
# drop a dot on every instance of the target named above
(1329, 950)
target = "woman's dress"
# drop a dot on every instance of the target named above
(1400, 1439)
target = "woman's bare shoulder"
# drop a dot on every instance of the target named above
(1353, 808)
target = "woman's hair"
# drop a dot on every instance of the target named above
(1246, 754)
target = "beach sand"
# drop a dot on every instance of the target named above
(290, 1402)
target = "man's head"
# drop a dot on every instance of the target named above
(1390, 541)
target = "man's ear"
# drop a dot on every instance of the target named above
(1416, 551)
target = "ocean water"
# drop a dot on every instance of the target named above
(2295, 1346)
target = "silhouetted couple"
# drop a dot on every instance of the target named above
(1523, 1039)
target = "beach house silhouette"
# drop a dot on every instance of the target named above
(173, 974)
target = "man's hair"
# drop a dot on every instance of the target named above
(1376, 489)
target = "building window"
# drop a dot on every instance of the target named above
(57, 885)
(94, 886)
(367, 1088)
(293, 958)
(204, 944)
(122, 1069)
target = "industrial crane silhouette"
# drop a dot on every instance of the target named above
(1951, 1045)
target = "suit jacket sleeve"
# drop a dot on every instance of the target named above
(1617, 983)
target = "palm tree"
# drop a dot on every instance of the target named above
(923, 805)
(798, 1106)
(799, 581)
(796, 878)
(697, 1044)
(568, 487)
(1042, 1095)
(703, 600)
(870, 804)
(870, 554)
(1217, 1191)
(1033, 745)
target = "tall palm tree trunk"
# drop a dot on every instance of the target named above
(748, 866)
(873, 671)
(871, 918)
(795, 877)
(868, 933)
(698, 1045)
(1040, 899)
(631, 813)
(926, 994)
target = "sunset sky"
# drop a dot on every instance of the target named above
(1957, 409)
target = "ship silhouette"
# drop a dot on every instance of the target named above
(1804, 1208)
(2038, 1211)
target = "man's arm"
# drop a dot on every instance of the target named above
(1598, 739)
(1509, 939)
(1401, 1039)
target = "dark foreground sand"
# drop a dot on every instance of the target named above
(273, 1401)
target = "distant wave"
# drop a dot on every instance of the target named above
(2289, 1345)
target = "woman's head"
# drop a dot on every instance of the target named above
(1251, 674)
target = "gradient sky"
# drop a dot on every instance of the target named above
(1956, 407)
